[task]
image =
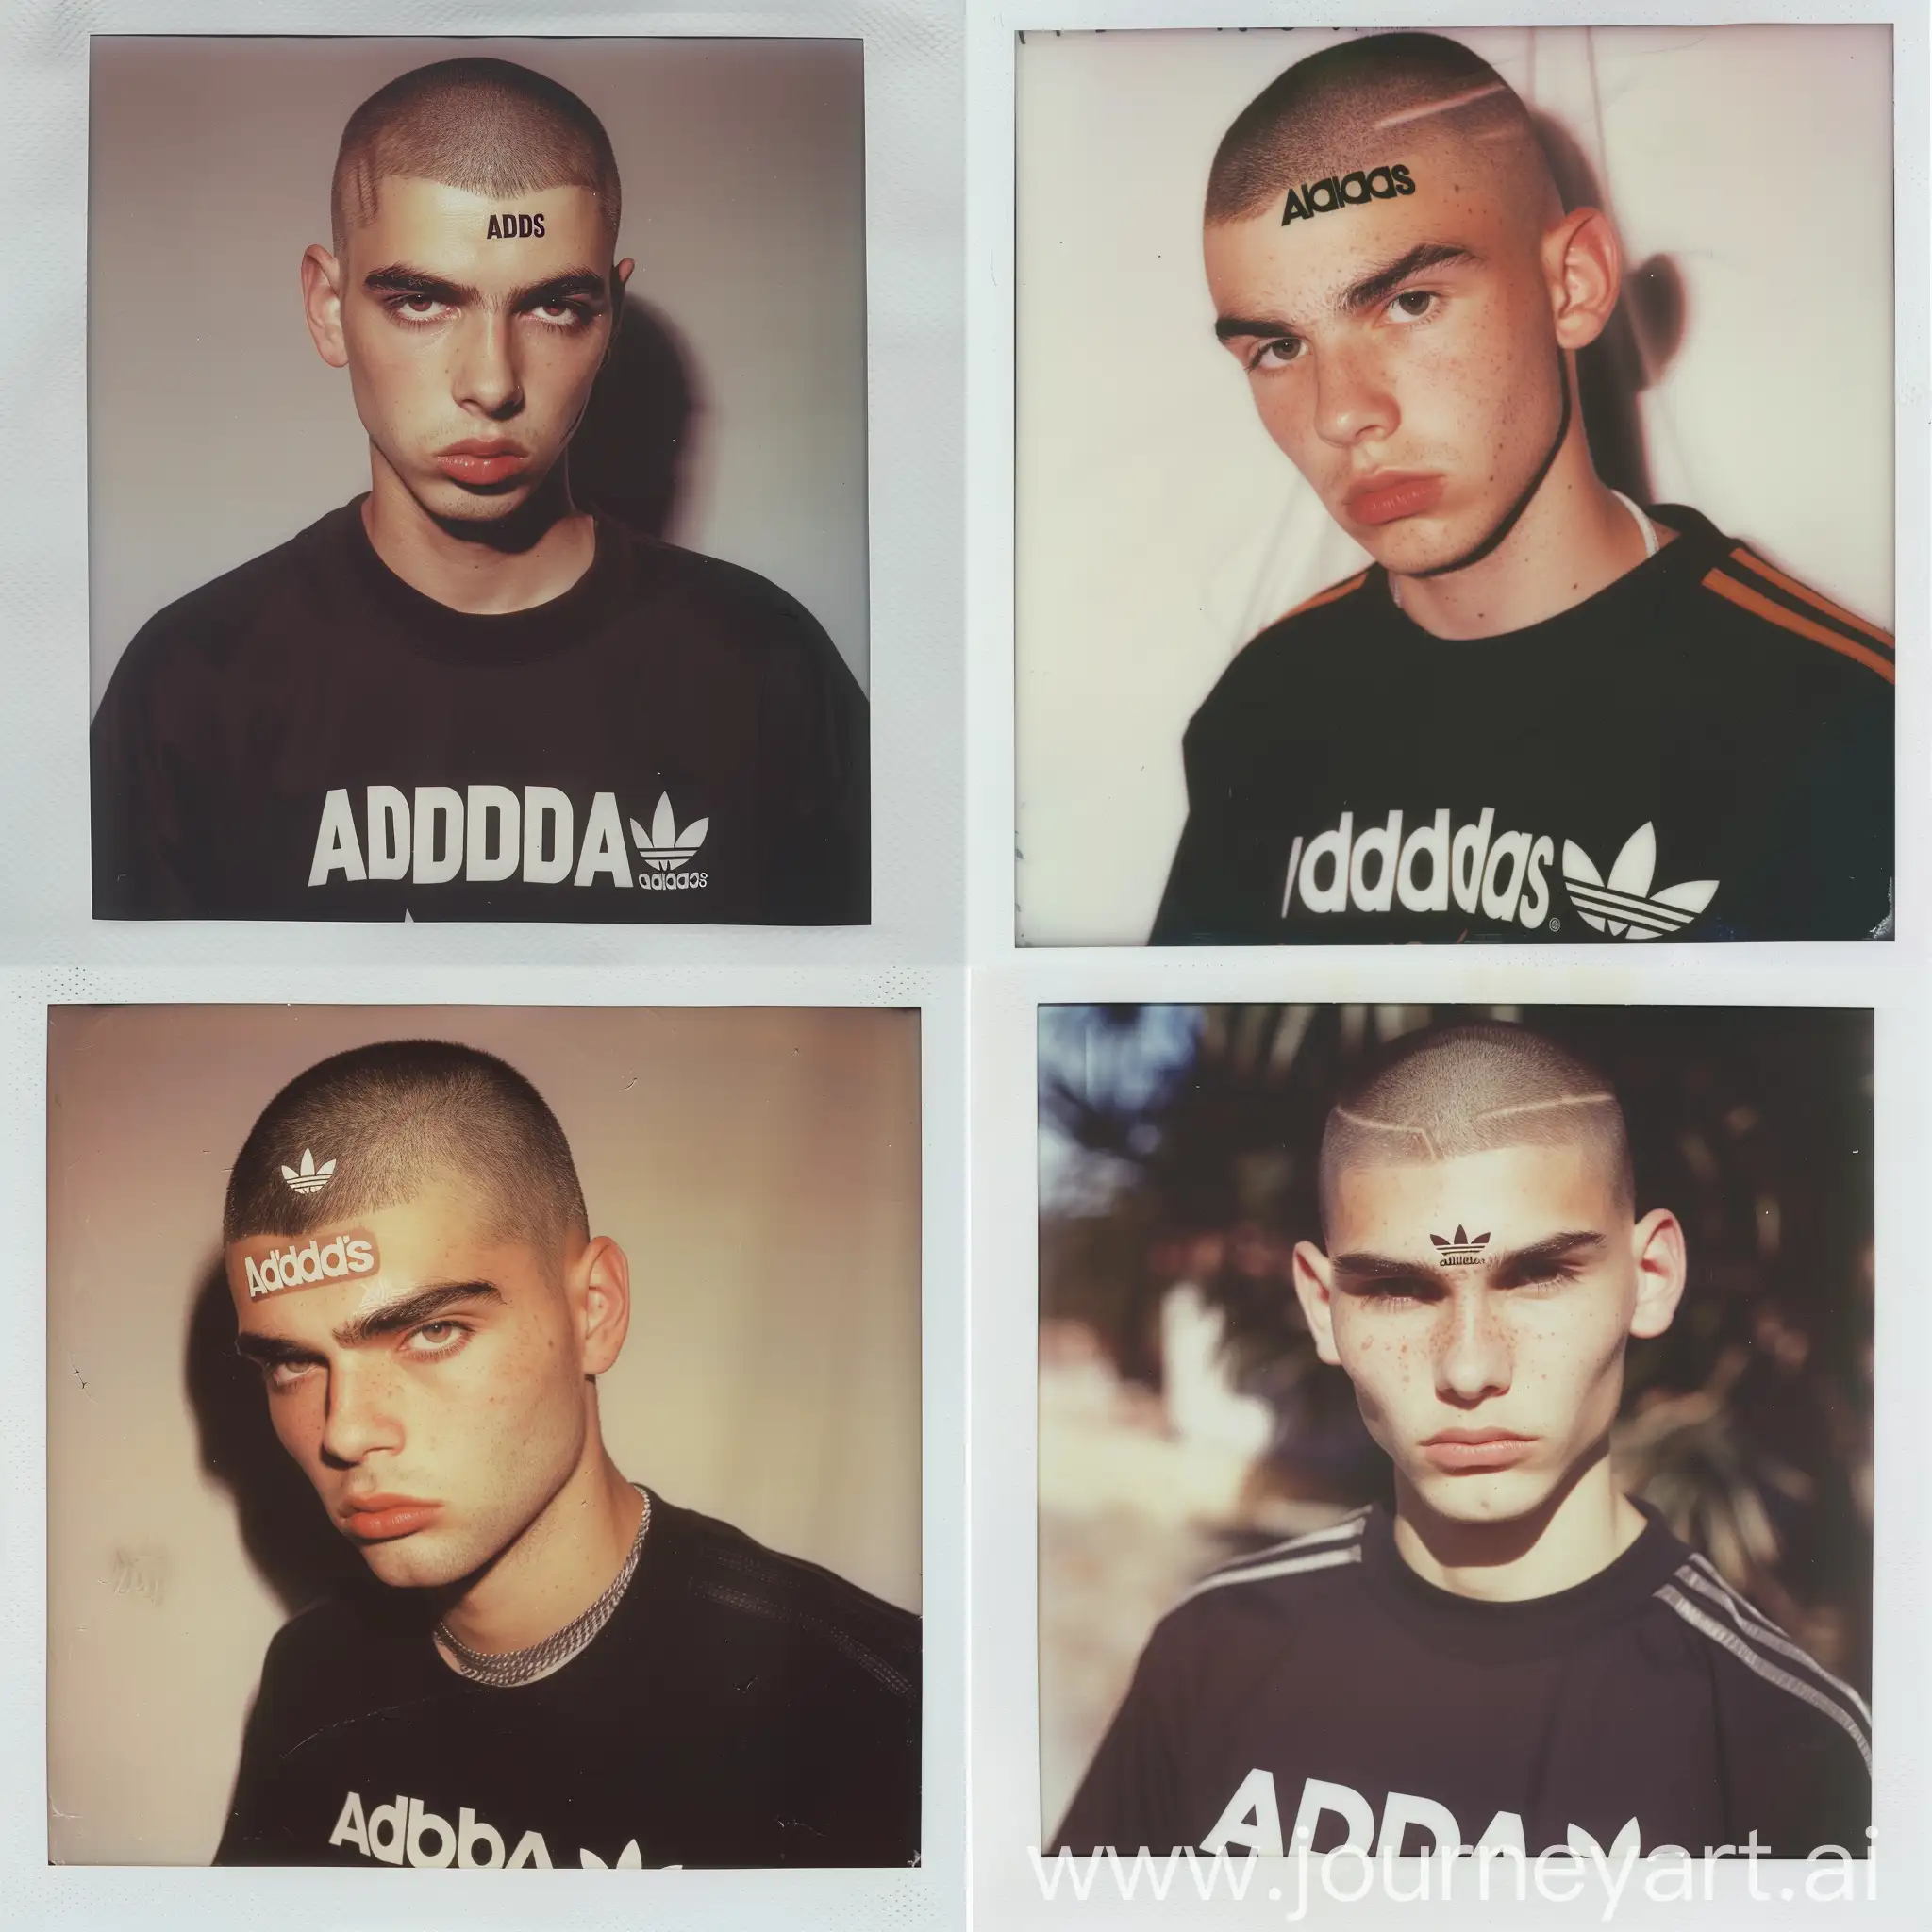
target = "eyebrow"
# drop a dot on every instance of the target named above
(1374, 286)
(392, 1319)
(399, 279)
(1508, 1265)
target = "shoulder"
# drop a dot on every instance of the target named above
(747, 1594)
(1778, 1693)
(207, 622)
(1776, 615)
(739, 605)
(1286, 1585)
(1326, 626)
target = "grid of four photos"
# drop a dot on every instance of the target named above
(1240, 1246)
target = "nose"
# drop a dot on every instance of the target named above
(1353, 400)
(363, 1415)
(1472, 1354)
(485, 378)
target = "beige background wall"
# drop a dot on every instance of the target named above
(759, 1166)
(215, 431)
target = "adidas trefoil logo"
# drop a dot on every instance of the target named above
(1460, 1252)
(664, 848)
(309, 1179)
(1624, 906)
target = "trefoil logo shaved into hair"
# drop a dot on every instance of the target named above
(664, 848)
(1461, 1251)
(1323, 197)
(309, 1179)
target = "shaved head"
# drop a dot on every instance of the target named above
(392, 1121)
(1469, 1089)
(488, 128)
(1418, 99)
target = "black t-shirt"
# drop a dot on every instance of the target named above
(673, 738)
(740, 1709)
(1702, 750)
(1324, 1683)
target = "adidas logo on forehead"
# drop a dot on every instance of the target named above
(309, 1179)
(1460, 1252)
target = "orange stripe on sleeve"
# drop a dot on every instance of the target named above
(1773, 574)
(1761, 606)
(1334, 593)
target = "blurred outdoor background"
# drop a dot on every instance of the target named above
(1184, 1416)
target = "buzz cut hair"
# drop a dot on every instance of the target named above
(1455, 1090)
(1341, 108)
(397, 1118)
(487, 126)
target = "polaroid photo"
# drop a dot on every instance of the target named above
(1442, 510)
(1465, 1463)
(496, 1437)
(512, 564)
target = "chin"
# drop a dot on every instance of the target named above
(415, 1562)
(1494, 1496)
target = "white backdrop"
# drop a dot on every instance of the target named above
(1158, 527)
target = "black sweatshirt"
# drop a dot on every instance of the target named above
(673, 738)
(1323, 1684)
(1702, 750)
(740, 1709)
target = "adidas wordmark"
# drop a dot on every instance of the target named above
(490, 833)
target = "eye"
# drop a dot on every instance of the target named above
(417, 310)
(563, 314)
(435, 1339)
(1277, 354)
(282, 1377)
(1412, 305)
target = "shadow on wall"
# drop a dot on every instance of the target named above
(284, 1529)
(1637, 347)
(628, 456)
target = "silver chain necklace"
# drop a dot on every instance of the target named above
(504, 1670)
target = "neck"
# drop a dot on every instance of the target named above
(1572, 539)
(1581, 1530)
(488, 569)
(560, 1565)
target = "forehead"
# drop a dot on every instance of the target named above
(431, 225)
(1311, 260)
(1516, 1195)
(438, 1237)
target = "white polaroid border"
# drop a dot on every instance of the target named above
(37, 1894)
(913, 230)
(1009, 1889)
(991, 56)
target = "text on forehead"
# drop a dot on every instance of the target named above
(1462, 1250)
(295, 1266)
(509, 227)
(1346, 191)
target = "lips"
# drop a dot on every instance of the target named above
(480, 461)
(1390, 494)
(1470, 1451)
(382, 1519)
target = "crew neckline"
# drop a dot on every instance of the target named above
(432, 630)
(1525, 1628)
(1696, 539)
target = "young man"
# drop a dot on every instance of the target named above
(461, 697)
(1521, 1652)
(1544, 711)
(572, 1671)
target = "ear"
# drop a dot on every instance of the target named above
(603, 1302)
(1315, 1287)
(1583, 265)
(1656, 1245)
(321, 305)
